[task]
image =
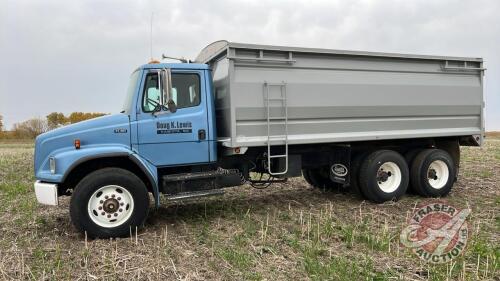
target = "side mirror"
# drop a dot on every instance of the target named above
(171, 106)
(166, 85)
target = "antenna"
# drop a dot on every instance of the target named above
(151, 36)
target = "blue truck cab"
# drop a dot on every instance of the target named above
(156, 129)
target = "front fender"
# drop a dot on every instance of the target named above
(68, 159)
(152, 173)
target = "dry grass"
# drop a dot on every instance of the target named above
(289, 231)
(493, 134)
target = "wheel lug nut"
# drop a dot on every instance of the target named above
(109, 216)
(100, 208)
(106, 197)
(121, 204)
(116, 214)
(101, 201)
(119, 198)
(121, 210)
(103, 213)
(112, 195)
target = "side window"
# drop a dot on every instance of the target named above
(151, 95)
(185, 89)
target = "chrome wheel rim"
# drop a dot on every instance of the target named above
(110, 206)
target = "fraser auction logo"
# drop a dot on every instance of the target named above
(436, 232)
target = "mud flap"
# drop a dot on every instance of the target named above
(340, 164)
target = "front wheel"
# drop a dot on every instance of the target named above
(109, 202)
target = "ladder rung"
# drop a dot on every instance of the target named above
(278, 156)
(277, 136)
(277, 142)
(277, 118)
(276, 99)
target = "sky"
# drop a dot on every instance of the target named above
(65, 56)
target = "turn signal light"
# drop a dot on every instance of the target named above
(77, 144)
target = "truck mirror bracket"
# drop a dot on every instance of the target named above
(166, 85)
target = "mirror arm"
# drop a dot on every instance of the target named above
(170, 103)
(165, 86)
(168, 85)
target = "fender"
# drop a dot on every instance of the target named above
(68, 159)
(151, 172)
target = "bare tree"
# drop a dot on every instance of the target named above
(30, 128)
(1, 123)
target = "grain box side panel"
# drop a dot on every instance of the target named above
(341, 98)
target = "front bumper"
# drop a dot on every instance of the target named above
(46, 193)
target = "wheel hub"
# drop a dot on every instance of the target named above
(432, 174)
(110, 205)
(388, 177)
(383, 176)
(438, 174)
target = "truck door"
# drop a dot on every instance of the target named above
(166, 138)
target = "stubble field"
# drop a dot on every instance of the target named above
(289, 231)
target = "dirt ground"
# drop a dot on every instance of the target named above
(289, 231)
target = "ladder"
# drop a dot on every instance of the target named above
(276, 121)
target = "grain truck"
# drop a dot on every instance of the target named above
(377, 123)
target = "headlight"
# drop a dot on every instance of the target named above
(52, 165)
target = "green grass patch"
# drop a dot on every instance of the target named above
(237, 258)
(320, 266)
(363, 233)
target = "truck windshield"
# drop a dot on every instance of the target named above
(134, 79)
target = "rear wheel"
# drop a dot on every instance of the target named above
(320, 178)
(433, 173)
(383, 176)
(356, 162)
(409, 157)
(109, 202)
(305, 174)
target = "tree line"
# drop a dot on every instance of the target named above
(31, 128)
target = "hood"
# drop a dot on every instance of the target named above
(108, 129)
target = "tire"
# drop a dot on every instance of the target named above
(384, 176)
(319, 178)
(108, 203)
(305, 174)
(357, 160)
(411, 154)
(409, 157)
(433, 173)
